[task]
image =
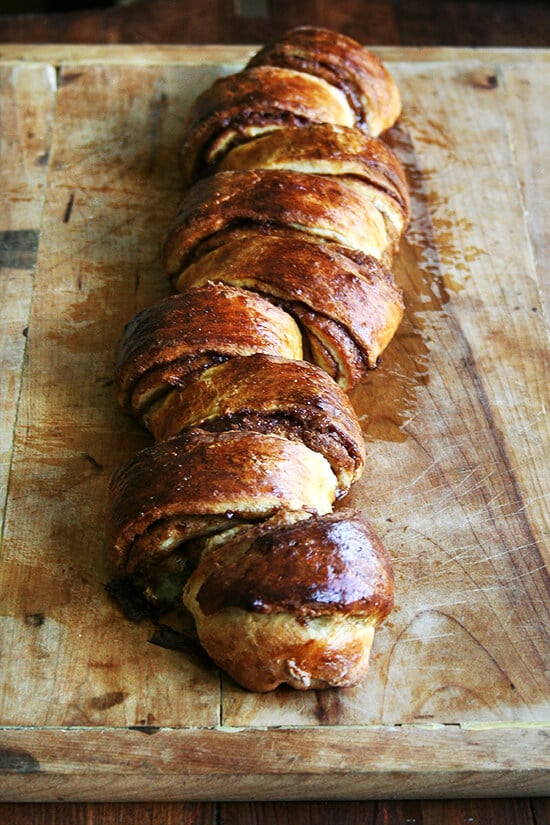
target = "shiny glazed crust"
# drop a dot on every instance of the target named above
(272, 201)
(180, 482)
(243, 105)
(327, 149)
(186, 333)
(345, 64)
(296, 604)
(280, 251)
(348, 312)
(267, 394)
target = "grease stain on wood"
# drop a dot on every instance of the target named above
(19, 248)
(482, 79)
(14, 760)
(35, 619)
(146, 726)
(108, 700)
(93, 462)
(327, 707)
(43, 159)
(66, 78)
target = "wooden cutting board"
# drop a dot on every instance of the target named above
(457, 701)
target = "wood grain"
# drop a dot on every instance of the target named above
(314, 813)
(232, 57)
(27, 101)
(457, 701)
(238, 764)
(412, 812)
(469, 23)
(109, 813)
(524, 91)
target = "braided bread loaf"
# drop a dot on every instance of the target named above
(280, 256)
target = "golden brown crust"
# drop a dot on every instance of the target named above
(260, 652)
(348, 310)
(267, 394)
(224, 476)
(186, 333)
(325, 208)
(242, 105)
(301, 600)
(327, 149)
(346, 64)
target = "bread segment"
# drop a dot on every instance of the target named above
(227, 477)
(296, 604)
(242, 106)
(186, 333)
(269, 395)
(351, 309)
(345, 64)
(271, 202)
(346, 153)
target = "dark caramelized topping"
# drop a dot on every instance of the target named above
(323, 206)
(198, 328)
(344, 63)
(322, 566)
(238, 106)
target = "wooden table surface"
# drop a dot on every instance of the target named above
(389, 29)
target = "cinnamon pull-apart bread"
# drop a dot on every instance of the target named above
(273, 202)
(311, 75)
(280, 255)
(343, 63)
(186, 333)
(272, 395)
(296, 604)
(239, 107)
(170, 495)
(348, 311)
(326, 149)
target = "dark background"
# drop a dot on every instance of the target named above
(470, 23)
